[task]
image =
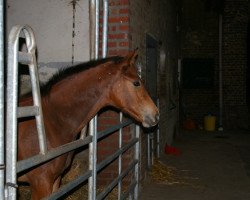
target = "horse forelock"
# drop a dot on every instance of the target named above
(71, 70)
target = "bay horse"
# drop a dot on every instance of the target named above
(69, 101)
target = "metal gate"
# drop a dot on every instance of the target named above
(8, 185)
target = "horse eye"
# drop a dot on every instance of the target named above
(136, 83)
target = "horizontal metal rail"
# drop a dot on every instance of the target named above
(112, 129)
(63, 190)
(27, 111)
(110, 187)
(71, 185)
(129, 190)
(53, 153)
(112, 157)
(40, 158)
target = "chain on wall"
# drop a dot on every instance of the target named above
(73, 3)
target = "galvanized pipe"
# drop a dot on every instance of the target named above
(220, 76)
(105, 29)
(148, 151)
(63, 190)
(94, 48)
(53, 153)
(120, 158)
(158, 134)
(11, 123)
(137, 156)
(12, 101)
(1, 100)
(116, 180)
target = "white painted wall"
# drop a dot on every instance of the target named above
(52, 21)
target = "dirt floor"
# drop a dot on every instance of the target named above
(211, 166)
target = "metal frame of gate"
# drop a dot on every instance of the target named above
(2, 167)
(9, 186)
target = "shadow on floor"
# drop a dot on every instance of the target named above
(212, 166)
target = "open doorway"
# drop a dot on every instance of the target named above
(151, 66)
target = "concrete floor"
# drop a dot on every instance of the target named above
(211, 167)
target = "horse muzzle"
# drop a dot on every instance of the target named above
(150, 121)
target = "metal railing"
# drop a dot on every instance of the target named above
(2, 166)
(14, 112)
(13, 167)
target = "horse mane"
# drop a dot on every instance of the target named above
(66, 72)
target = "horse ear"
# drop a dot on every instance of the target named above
(133, 56)
(130, 59)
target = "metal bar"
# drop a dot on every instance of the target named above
(94, 47)
(112, 157)
(105, 28)
(92, 28)
(137, 155)
(120, 159)
(152, 147)
(92, 159)
(148, 151)
(158, 142)
(220, 75)
(27, 111)
(113, 129)
(11, 113)
(40, 158)
(31, 46)
(96, 29)
(115, 181)
(158, 134)
(69, 186)
(2, 100)
(129, 190)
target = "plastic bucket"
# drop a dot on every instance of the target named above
(209, 123)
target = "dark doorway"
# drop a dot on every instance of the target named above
(151, 66)
(248, 67)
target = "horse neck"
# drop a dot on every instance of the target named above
(74, 101)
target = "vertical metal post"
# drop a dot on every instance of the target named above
(148, 151)
(105, 29)
(97, 29)
(220, 76)
(1, 100)
(12, 102)
(31, 46)
(94, 47)
(137, 154)
(152, 137)
(120, 159)
(92, 158)
(158, 134)
(11, 123)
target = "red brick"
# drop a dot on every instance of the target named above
(124, 11)
(118, 19)
(124, 28)
(112, 44)
(118, 36)
(123, 44)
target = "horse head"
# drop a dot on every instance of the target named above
(129, 94)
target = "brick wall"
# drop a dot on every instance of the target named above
(235, 63)
(118, 44)
(158, 19)
(129, 21)
(200, 40)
